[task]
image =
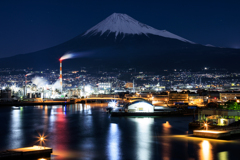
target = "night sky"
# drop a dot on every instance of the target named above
(32, 25)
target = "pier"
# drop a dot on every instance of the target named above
(34, 152)
(217, 134)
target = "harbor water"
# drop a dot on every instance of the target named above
(86, 131)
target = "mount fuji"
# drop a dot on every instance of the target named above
(122, 24)
(121, 41)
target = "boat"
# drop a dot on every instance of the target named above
(16, 107)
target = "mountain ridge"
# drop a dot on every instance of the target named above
(134, 50)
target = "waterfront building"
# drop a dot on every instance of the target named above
(175, 97)
(140, 106)
(160, 99)
(229, 95)
(103, 96)
(219, 117)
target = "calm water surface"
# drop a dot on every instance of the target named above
(86, 131)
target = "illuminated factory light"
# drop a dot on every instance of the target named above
(112, 104)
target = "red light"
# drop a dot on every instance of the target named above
(215, 98)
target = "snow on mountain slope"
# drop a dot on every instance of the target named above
(123, 24)
(209, 45)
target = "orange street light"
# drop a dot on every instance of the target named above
(41, 139)
(206, 125)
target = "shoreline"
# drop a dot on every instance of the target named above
(35, 103)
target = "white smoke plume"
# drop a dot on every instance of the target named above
(67, 56)
(39, 82)
(70, 55)
(28, 74)
(56, 85)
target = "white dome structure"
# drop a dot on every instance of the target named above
(140, 106)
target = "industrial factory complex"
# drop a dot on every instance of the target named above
(177, 87)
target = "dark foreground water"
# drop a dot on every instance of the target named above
(87, 132)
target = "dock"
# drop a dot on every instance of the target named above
(216, 134)
(35, 103)
(34, 152)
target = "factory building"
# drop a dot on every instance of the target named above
(105, 85)
(229, 95)
(175, 97)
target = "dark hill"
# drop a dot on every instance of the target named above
(151, 52)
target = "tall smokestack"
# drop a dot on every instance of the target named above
(25, 79)
(60, 77)
(25, 87)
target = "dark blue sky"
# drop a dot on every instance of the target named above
(32, 25)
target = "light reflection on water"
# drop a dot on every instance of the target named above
(85, 131)
(143, 137)
(113, 148)
(46, 115)
(16, 132)
(60, 130)
(166, 141)
(223, 155)
(205, 152)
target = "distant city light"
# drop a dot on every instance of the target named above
(112, 104)
(87, 88)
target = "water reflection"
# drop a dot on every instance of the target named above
(144, 137)
(61, 128)
(58, 128)
(62, 121)
(223, 155)
(16, 132)
(205, 152)
(166, 127)
(52, 118)
(85, 131)
(75, 108)
(113, 148)
(46, 115)
(166, 141)
(88, 109)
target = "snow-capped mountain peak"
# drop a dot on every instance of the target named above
(119, 23)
